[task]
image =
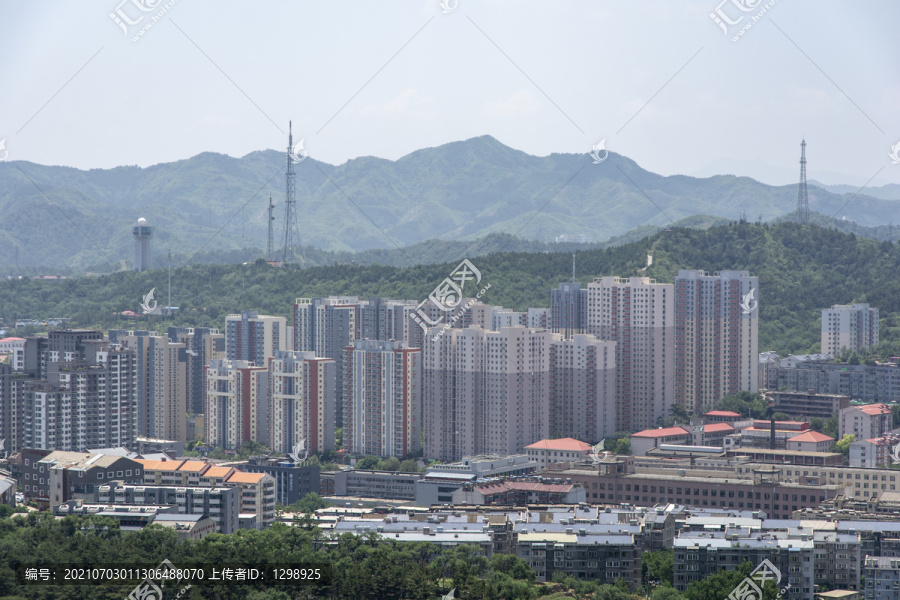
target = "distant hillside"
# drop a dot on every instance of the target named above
(800, 270)
(58, 217)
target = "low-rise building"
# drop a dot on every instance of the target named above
(221, 504)
(520, 491)
(882, 577)
(809, 404)
(257, 495)
(61, 476)
(376, 484)
(875, 453)
(545, 452)
(600, 558)
(866, 422)
(697, 558)
(810, 441)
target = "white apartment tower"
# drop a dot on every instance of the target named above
(637, 314)
(582, 388)
(485, 392)
(849, 327)
(716, 336)
(236, 403)
(301, 402)
(383, 415)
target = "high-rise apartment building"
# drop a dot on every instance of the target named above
(326, 326)
(202, 345)
(582, 388)
(716, 336)
(637, 314)
(383, 415)
(485, 392)
(848, 327)
(162, 386)
(253, 337)
(568, 309)
(236, 404)
(301, 402)
(85, 403)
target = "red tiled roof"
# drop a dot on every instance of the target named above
(714, 427)
(241, 477)
(721, 413)
(811, 436)
(661, 432)
(568, 444)
(874, 409)
(159, 465)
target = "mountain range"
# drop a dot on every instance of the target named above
(462, 192)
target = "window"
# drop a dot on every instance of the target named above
(100, 475)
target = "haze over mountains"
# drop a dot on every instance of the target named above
(60, 217)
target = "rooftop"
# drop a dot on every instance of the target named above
(661, 432)
(722, 413)
(239, 477)
(567, 444)
(160, 465)
(811, 436)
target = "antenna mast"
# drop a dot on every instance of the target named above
(802, 193)
(290, 209)
(271, 220)
(170, 280)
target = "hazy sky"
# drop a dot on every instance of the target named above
(659, 79)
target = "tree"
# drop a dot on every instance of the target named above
(658, 566)
(817, 424)
(843, 445)
(367, 463)
(388, 464)
(623, 446)
(781, 416)
(831, 428)
(665, 592)
(409, 466)
(721, 584)
(339, 438)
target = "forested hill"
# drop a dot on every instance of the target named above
(60, 217)
(800, 270)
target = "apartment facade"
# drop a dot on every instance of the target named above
(568, 309)
(849, 327)
(202, 344)
(82, 404)
(252, 337)
(716, 336)
(162, 386)
(582, 388)
(639, 315)
(383, 413)
(866, 422)
(302, 402)
(485, 392)
(236, 403)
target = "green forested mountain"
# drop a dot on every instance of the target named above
(800, 270)
(59, 217)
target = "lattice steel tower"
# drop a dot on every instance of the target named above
(290, 206)
(270, 242)
(802, 194)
